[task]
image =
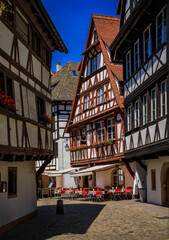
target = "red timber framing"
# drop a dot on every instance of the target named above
(96, 124)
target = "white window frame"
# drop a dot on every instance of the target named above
(163, 37)
(136, 60)
(128, 64)
(100, 131)
(129, 118)
(87, 101)
(163, 104)
(150, 42)
(99, 96)
(153, 110)
(136, 114)
(111, 126)
(145, 108)
(78, 138)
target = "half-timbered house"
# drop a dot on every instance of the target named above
(96, 121)
(63, 86)
(142, 44)
(27, 39)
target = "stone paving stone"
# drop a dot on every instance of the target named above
(130, 220)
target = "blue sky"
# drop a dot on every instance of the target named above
(72, 20)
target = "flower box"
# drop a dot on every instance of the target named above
(45, 119)
(6, 101)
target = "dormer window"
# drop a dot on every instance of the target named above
(95, 36)
(74, 73)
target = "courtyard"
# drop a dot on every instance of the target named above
(127, 219)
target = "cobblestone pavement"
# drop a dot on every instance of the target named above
(127, 219)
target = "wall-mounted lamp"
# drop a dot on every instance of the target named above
(66, 147)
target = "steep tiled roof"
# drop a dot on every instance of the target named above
(64, 82)
(107, 27)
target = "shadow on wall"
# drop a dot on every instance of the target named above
(77, 219)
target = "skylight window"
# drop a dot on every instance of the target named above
(74, 73)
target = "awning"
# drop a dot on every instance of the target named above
(81, 174)
(59, 173)
(88, 171)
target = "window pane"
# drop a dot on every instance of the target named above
(21, 27)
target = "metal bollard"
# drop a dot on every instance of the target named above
(59, 207)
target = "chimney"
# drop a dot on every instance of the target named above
(58, 66)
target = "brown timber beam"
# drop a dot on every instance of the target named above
(129, 169)
(42, 168)
(141, 164)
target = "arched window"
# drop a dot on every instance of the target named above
(118, 178)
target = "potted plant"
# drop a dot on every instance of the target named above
(45, 119)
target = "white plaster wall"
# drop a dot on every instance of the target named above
(6, 38)
(140, 177)
(64, 163)
(25, 202)
(104, 178)
(157, 164)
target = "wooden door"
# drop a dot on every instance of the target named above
(167, 187)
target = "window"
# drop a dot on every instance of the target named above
(2, 82)
(88, 68)
(145, 119)
(40, 106)
(147, 43)
(100, 131)
(12, 181)
(74, 73)
(153, 104)
(9, 87)
(118, 178)
(94, 64)
(136, 114)
(135, 2)
(95, 36)
(127, 10)
(100, 96)
(22, 26)
(7, 13)
(83, 137)
(73, 139)
(161, 28)
(163, 98)
(153, 179)
(87, 101)
(110, 129)
(128, 65)
(78, 138)
(46, 56)
(36, 43)
(129, 118)
(136, 56)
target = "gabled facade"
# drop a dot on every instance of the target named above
(96, 122)
(63, 86)
(27, 40)
(142, 44)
